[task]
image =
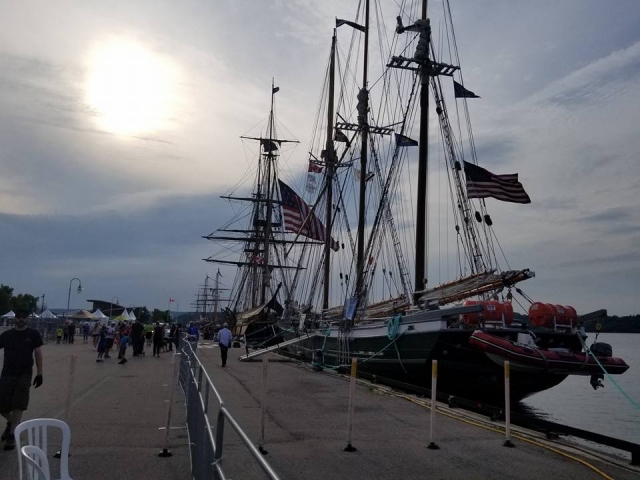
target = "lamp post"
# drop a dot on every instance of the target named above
(111, 306)
(79, 291)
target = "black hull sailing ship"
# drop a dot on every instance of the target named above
(392, 324)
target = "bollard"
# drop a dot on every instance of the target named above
(67, 405)
(352, 388)
(165, 451)
(507, 407)
(265, 365)
(72, 371)
(434, 380)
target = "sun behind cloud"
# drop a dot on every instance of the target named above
(130, 88)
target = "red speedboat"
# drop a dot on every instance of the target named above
(525, 355)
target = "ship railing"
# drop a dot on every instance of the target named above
(206, 431)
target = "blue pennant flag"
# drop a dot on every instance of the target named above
(402, 141)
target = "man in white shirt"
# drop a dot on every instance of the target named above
(224, 340)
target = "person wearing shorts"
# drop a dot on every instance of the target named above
(21, 345)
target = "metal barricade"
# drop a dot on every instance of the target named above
(207, 439)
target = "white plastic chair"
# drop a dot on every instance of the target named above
(37, 463)
(36, 430)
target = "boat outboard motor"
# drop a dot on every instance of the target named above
(600, 349)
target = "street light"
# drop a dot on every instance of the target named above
(111, 306)
(79, 290)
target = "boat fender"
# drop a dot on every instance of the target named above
(478, 217)
(601, 349)
(596, 381)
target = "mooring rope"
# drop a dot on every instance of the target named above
(588, 350)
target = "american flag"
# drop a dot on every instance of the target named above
(295, 212)
(482, 183)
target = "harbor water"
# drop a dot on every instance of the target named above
(606, 410)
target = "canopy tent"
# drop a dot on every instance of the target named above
(121, 318)
(47, 314)
(99, 315)
(82, 315)
(9, 314)
(34, 315)
(132, 315)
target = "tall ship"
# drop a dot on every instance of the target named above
(393, 258)
(254, 241)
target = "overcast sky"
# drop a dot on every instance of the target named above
(116, 187)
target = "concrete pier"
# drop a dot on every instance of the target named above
(117, 413)
(307, 430)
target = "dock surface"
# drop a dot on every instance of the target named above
(118, 411)
(307, 430)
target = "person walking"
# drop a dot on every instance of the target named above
(178, 337)
(21, 345)
(148, 333)
(124, 341)
(58, 334)
(158, 338)
(224, 341)
(110, 333)
(137, 339)
(72, 332)
(95, 334)
(101, 344)
(86, 331)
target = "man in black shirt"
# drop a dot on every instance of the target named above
(21, 345)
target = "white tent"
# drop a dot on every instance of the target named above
(132, 316)
(9, 314)
(99, 315)
(34, 315)
(47, 314)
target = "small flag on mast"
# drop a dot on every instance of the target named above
(275, 90)
(482, 183)
(340, 22)
(402, 141)
(299, 218)
(171, 300)
(460, 92)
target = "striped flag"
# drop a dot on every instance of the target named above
(482, 183)
(298, 217)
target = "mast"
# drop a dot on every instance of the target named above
(363, 107)
(269, 192)
(423, 170)
(206, 293)
(330, 161)
(216, 296)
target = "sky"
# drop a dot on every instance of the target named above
(120, 125)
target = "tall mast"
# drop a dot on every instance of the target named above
(423, 170)
(363, 108)
(330, 161)
(205, 292)
(269, 192)
(216, 297)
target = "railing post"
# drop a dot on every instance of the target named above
(217, 454)
(434, 380)
(352, 387)
(507, 406)
(176, 368)
(265, 367)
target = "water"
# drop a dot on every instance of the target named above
(606, 410)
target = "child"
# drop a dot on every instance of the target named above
(58, 334)
(102, 342)
(124, 341)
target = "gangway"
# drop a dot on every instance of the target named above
(277, 346)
